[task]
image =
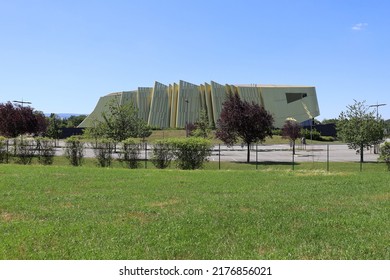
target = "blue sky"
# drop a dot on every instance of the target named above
(63, 55)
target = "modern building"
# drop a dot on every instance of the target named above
(174, 105)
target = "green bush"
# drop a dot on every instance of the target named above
(3, 150)
(385, 153)
(103, 149)
(162, 153)
(327, 138)
(191, 153)
(277, 132)
(24, 150)
(74, 150)
(46, 150)
(314, 134)
(130, 153)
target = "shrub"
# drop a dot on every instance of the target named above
(24, 150)
(327, 138)
(74, 150)
(46, 150)
(277, 131)
(103, 150)
(385, 153)
(315, 134)
(162, 154)
(191, 153)
(3, 150)
(130, 153)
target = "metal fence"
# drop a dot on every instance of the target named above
(220, 154)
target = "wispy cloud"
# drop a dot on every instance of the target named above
(359, 26)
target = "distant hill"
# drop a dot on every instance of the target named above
(65, 115)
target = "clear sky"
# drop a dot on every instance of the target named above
(63, 55)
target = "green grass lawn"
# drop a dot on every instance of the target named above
(181, 133)
(64, 212)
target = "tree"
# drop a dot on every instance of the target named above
(16, 120)
(120, 123)
(242, 120)
(202, 127)
(74, 121)
(291, 130)
(41, 123)
(387, 127)
(8, 120)
(54, 126)
(327, 121)
(144, 130)
(360, 128)
(385, 153)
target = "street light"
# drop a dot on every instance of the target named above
(376, 147)
(377, 105)
(21, 102)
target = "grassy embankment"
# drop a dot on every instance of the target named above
(63, 212)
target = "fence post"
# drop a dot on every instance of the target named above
(256, 157)
(327, 158)
(146, 155)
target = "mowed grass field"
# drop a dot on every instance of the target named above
(64, 212)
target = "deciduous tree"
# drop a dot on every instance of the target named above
(54, 127)
(291, 130)
(244, 121)
(16, 120)
(120, 123)
(202, 127)
(360, 128)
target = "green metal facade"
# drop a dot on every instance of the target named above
(172, 106)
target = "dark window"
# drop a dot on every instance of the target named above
(295, 96)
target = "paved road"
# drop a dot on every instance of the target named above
(283, 153)
(276, 153)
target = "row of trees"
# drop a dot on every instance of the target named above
(357, 126)
(18, 120)
(55, 124)
(239, 121)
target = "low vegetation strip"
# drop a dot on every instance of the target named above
(63, 212)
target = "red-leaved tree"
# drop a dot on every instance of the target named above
(243, 121)
(16, 120)
(291, 130)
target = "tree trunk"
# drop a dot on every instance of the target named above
(293, 147)
(248, 156)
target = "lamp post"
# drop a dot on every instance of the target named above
(21, 102)
(376, 146)
(377, 105)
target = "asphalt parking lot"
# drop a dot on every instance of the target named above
(283, 153)
(274, 153)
